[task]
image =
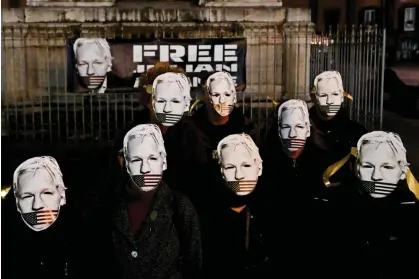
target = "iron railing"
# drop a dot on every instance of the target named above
(36, 103)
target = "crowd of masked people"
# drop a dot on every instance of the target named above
(200, 195)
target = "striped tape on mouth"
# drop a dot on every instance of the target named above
(146, 180)
(376, 187)
(244, 186)
(42, 217)
(224, 109)
(93, 82)
(330, 108)
(294, 143)
(168, 118)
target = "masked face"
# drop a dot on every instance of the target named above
(329, 97)
(38, 199)
(221, 97)
(91, 65)
(168, 103)
(378, 169)
(293, 131)
(145, 164)
(239, 169)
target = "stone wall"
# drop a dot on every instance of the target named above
(34, 39)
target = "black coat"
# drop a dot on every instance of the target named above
(168, 244)
(50, 254)
(335, 136)
(225, 232)
(293, 197)
(382, 233)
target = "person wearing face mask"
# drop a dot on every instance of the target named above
(215, 120)
(380, 224)
(291, 181)
(333, 130)
(168, 101)
(153, 231)
(233, 240)
(38, 243)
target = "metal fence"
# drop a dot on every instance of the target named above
(358, 53)
(37, 106)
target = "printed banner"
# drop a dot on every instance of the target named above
(100, 65)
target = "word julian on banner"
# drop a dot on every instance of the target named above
(193, 58)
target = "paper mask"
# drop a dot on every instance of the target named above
(171, 97)
(94, 61)
(222, 92)
(293, 124)
(329, 92)
(240, 163)
(381, 163)
(145, 156)
(39, 191)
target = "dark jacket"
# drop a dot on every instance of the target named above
(168, 244)
(381, 233)
(184, 152)
(49, 254)
(336, 136)
(225, 232)
(292, 193)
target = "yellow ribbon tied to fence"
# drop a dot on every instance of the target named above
(5, 191)
(194, 105)
(411, 181)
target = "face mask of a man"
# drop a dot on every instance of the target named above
(240, 163)
(329, 92)
(39, 192)
(293, 125)
(145, 156)
(222, 93)
(171, 98)
(379, 169)
(92, 66)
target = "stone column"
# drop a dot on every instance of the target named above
(298, 35)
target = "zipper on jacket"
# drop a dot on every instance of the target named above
(294, 163)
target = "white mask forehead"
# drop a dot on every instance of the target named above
(240, 139)
(221, 76)
(292, 105)
(330, 81)
(179, 79)
(46, 162)
(39, 207)
(141, 131)
(392, 139)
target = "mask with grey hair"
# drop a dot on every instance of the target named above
(293, 125)
(381, 163)
(145, 156)
(240, 163)
(94, 61)
(222, 92)
(39, 191)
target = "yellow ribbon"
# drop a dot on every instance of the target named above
(149, 89)
(412, 183)
(331, 170)
(194, 105)
(274, 102)
(5, 191)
